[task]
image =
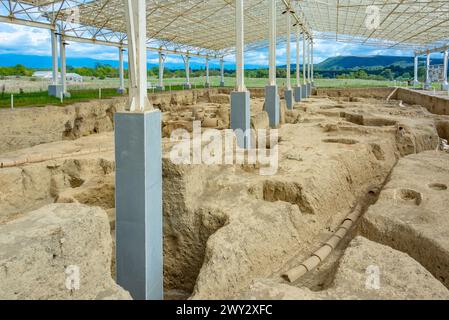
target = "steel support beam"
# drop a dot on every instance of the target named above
(288, 50)
(272, 100)
(311, 62)
(298, 88)
(428, 83)
(432, 50)
(272, 41)
(137, 55)
(54, 56)
(222, 72)
(239, 46)
(298, 59)
(160, 84)
(445, 85)
(207, 83)
(55, 88)
(121, 75)
(304, 59)
(304, 67)
(62, 48)
(288, 92)
(187, 85)
(415, 78)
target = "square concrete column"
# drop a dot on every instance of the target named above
(298, 93)
(138, 203)
(272, 105)
(240, 117)
(304, 91)
(288, 95)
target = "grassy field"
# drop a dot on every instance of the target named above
(261, 82)
(41, 98)
(88, 90)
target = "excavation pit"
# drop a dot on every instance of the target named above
(225, 225)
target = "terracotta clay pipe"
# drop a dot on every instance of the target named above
(322, 253)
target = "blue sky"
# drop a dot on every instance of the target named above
(15, 39)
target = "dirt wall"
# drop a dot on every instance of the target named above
(432, 103)
(378, 93)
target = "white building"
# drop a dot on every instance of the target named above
(72, 77)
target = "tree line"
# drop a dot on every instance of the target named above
(103, 71)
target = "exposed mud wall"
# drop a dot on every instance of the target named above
(26, 127)
(26, 188)
(432, 103)
(378, 93)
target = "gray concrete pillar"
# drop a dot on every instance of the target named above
(240, 117)
(288, 95)
(272, 105)
(298, 93)
(304, 94)
(138, 202)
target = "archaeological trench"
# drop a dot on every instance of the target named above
(362, 185)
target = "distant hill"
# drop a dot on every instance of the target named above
(330, 64)
(44, 62)
(353, 62)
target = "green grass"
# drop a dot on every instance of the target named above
(41, 98)
(38, 99)
(261, 82)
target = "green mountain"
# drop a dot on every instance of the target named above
(369, 62)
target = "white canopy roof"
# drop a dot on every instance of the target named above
(208, 26)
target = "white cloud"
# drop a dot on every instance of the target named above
(33, 41)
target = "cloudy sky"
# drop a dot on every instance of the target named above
(23, 40)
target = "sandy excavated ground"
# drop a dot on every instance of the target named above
(230, 232)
